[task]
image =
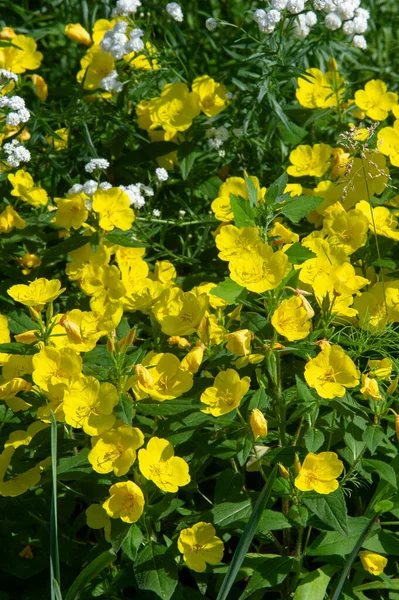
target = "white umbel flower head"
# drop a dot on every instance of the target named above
(348, 27)
(156, 212)
(174, 10)
(6, 77)
(162, 174)
(16, 153)
(110, 83)
(360, 25)
(274, 16)
(310, 18)
(124, 8)
(90, 187)
(211, 24)
(279, 4)
(301, 28)
(295, 6)
(332, 21)
(359, 41)
(96, 163)
(260, 15)
(75, 189)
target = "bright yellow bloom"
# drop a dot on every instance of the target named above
(20, 483)
(17, 365)
(126, 502)
(193, 359)
(41, 88)
(9, 219)
(143, 61)
(100, 27)
(29, 262)
(115, 450)
(72, 211)
(158, 464)
(291, 319)
(104, 285)
(161, 377)
(239, 342)
(319, 472)
(381, 368)
(206, 288)
(23, 438)
(380, 219)
(283, 234)
(55, 366)
(84, 258)
(370, 388)
(61, 141)
(200, 546)
(226, 393)
(113, 206)
(38, 293)
(180, 342)
(372, 562)
(7, 33)
(164, 271)
(259, 270)
(178, 312)
(258, 424)
(9, 391)
(25, 188)
(5, 336)
(82, 329)
(320, 90)
(308, 160)
(375, 100)
(21, 56)
(388, 142)
(232, 241)
(89, 405)
(345, 229)
(96, 65)
(378, 306)
(97, 518)
(174, 110)
(331, 373)
(235, 186)
(77, 33)
(212, 95)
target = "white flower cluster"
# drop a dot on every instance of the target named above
(18, 112)
(267, 21)
(16, 153)
(6, 77)
(88, 188)
(96, 163)
(217, 136)
(211, 24)
(125, 8)
(111, 83)
(137, 193)
(117, 43)
(174, 10)
(161, 174)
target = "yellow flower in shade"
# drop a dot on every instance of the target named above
(308, 160)
(258, 424)
(212, 95)
(72, 211)
(7, 33)
(175, 109)
(77, 33)
(375, 100)
(21, 483)
(9, 219)
(60, 140)
(115, 450)
(158, 464)
(193, 359)
(345, 229)
(5, 336)
(226, 393)
(28, 262)
(84, 258)
(239, 342)
(40, 86)
(143, 61)
(100, 27)
(235, 186)
(372, 562)
(331, 372)
(388, 142)
(259, 270)
(161, 377)
(55, 366)
(370, 388)
(25, 188)
(95, 66)
(38, 293)
(381, 220)
(89, 405)
(97, 518)
(126, 502)
(232, 241)
(180, 342)
(21, 56)
(9, 391)
(319, 472)
(200, 546)
(164, 270)
(17, 365)
(23, 438)
(291, 319)
(366, 176)
(178, 312)
(320, 90)
(378, 306)
(380, 368)
(340, 160)
(113, 207)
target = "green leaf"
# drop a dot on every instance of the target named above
(19, 322)
(229, 291)
(297, 253)
(132, 542)
(373, 436)
(228, 513)
(252, 191)
(18, 348)
(276, 189)
(156, 571)
(273, 520)
(72, 243)
(168, 408)
(314, 439)
(270, 573)
(331, 542)
(292, 135)
(89, 573)
(255, 322)
(228, 485)
(124, 238)
(304, 393)
(244, 213)
(73, 465)
(54, 554)
(314, 585)
(187, 163)
(329, 508)
(298, 207)
(124, 410)
(383, 470)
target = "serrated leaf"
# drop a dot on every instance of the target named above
(270, 573)
(255, 322)
(252, 191)
(277, 188)
(228, 513)
(132, 542)
(331, 542)
(272, 520)
(329, 508)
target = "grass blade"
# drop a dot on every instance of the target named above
(247, 536)
(54, 555)
(89, 572)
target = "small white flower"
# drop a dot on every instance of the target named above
(319, 4)
(13, 119)
(260, 15)
(279, 4)
(16, 153)
(156, 212)
(311, 18)
(96, 163)
(110, 83)
(332, 21)
(295, 6)
(75, 189)
(359, 41)
(211, 24)
(90, 187)
(362, 13)
(162, 174)
(301, 28)
(146, 189)
(181, 213)
(135, 43)
(105, 185)
(348, 27)
(124, 8)
(360, 25)
(120, 27)
(4, 101)
(6, 77)
(238, 132)
(222, 153)
(16, 103)
(174, 10)
(274, 16)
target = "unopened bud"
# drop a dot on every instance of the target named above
(392, 386)
(283, 471)
(239, 342)
(127, 341)
(34, 313)
(111, 345)
(297, 464)
(332, 65)
(180, 342)
(144, 376)
(50, 311)
(258, 424)
(72, 329)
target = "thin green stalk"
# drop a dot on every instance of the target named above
(54, 553)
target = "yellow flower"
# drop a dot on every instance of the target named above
(158, 464)
(38, 293)
(372, 562)
(126, 502)
(239, 342)
(380, 220)
(319, 472)
(235, 186)
(55, 366)
(200, 546)
(25, 188)
(41, 89)
(259, 270)
(97, 518)
(9, 219)
(331, 372)
(345, 229)
(291, 319)
(17, 365)
(23, 438)
(143, 61)
(226, 393)
(174, 110)
(72, 211)
(285, 236)
(367, 176)
(320, 90)
(21, 56)
(375, 100)
(60, 140)
(20, 483)
(381, 368)
(212, 95)
(7, 33)
(161, 377)
(82, 329)
(164, 271)
(95, 66)
(77, 33)
(9, 391)
(84, 258)
(308, 160)
(378, 306)
(232, 241)
(388, 142)
(193, 359)
(115, 450)
(258, 424)
(178, 312)
(113, 206)
(89, 405)
(29, 262)
(370, 388)
(180, 342)
(5, 336)
(100, 27)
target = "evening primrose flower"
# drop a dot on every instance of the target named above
(158, 464)
(239, 342)
(38, 293)
(370, 388)
(72, 211)
(88, 404)
(77, 33)
(193, 359)
(388, 142)
(21, 56)
(97, 518)
(226, 393)
(319, 472)
(161, 377)
(331, 373)
(347, 230)
(235, 186)
(115, 449)
(320, 90)
(105, 287)
(375, 100)
(372, 562)
(200, 546)
(113, 207)
(21, 483)
(178, 312)
(291, 319)
(55, 366)
(381, 220)
(212, 95)
(232, 241)
(173, 111)
(9, 218)
(308, 160)
(258, 424)
(40, 87)
(24, 187)
(126, 502)
(260, 269)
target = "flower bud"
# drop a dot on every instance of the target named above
(236, 313)
(258, 424)
(283, 471)
(305, 303)
(144, 376)
(127, 341)
(34, 313)
(111, 345)
(77, 33)
(297, 464)
(7, 33)
(180, 342)
(332, 65)
(239, 342)
(192, 361)
(392, 386)
(72, 329)
(41, 89)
